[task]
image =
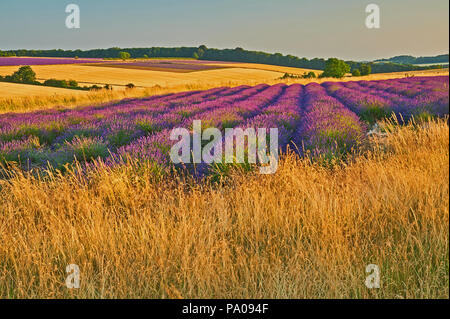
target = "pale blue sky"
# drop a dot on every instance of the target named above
(306, 28)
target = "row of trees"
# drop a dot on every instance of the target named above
(364, 69)
(7, 53)
(305, 75)
(182, 52)
(204, 53)
(337, 69)
(334, 68)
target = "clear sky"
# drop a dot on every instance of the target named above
(305, 28)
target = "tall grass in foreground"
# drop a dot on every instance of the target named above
(305, 232)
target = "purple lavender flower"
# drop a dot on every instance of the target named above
(325, 119)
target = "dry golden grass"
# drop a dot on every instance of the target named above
(304, 232)
(59, 101)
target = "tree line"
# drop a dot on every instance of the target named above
(204, 53)
(409, 59)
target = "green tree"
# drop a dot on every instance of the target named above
(124, 55)
(366, 69)
(309, 75)
(25, 74)
(56, 83)
(73, 83)
(356, 72)
(335, 68)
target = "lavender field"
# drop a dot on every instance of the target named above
(331, 118)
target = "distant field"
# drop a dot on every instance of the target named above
(371, 77)
(386, 76)
(165, 66)
(145, 78)
(267, 67)
(173, 65)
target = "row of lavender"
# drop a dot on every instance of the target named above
(404, 97)
(323, 118)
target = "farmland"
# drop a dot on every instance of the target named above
(224, 159)
(143, 78)
(361, 179)
(180, 66)
(19, 97)
(178, 72)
